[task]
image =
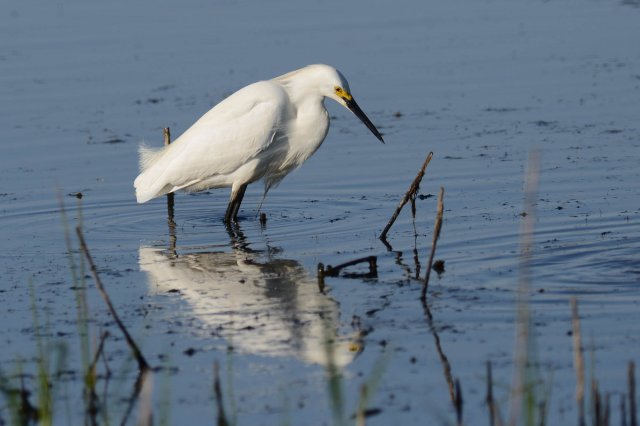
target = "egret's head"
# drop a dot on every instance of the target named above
(336, 87)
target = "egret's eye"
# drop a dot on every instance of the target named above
(342, 93)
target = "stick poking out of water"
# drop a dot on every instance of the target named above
(334, 271)
(436, 233)
(494, 415)
(459, 403)
(166, 132)
(410, 195)
(143, 365)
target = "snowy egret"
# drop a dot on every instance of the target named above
(262, 131)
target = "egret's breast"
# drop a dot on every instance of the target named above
(301, 135)
(307, 134)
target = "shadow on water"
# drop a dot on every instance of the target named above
(255, 300)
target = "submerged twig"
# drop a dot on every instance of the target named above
(410, 195)
(142, 362)
(334, 271)
(436, 234)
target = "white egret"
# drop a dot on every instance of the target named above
(262, 131)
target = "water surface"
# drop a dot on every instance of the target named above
(480, 84)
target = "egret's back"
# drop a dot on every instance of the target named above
(226, 138)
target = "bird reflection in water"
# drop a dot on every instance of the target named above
(259, 303)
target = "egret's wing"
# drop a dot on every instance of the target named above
(227, 137)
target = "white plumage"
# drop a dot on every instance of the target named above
(262, 131)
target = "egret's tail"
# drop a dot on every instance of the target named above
(149, 183)
(148, 156)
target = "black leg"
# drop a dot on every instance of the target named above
(234, 205)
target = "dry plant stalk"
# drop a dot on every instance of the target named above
(459, 403)
(578, 360)
(411, 193)
(436, 234)
(142, 362)
(166, 132)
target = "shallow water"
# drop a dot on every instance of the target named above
(480, 84)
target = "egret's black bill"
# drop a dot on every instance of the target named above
(353, 106)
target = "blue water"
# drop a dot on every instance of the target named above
(480, 84)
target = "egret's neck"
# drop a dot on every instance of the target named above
(305, 100)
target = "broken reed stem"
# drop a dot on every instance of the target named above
(166, 132)
(411, 193)
(142, 362)
(436, 234)
(578, 360)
